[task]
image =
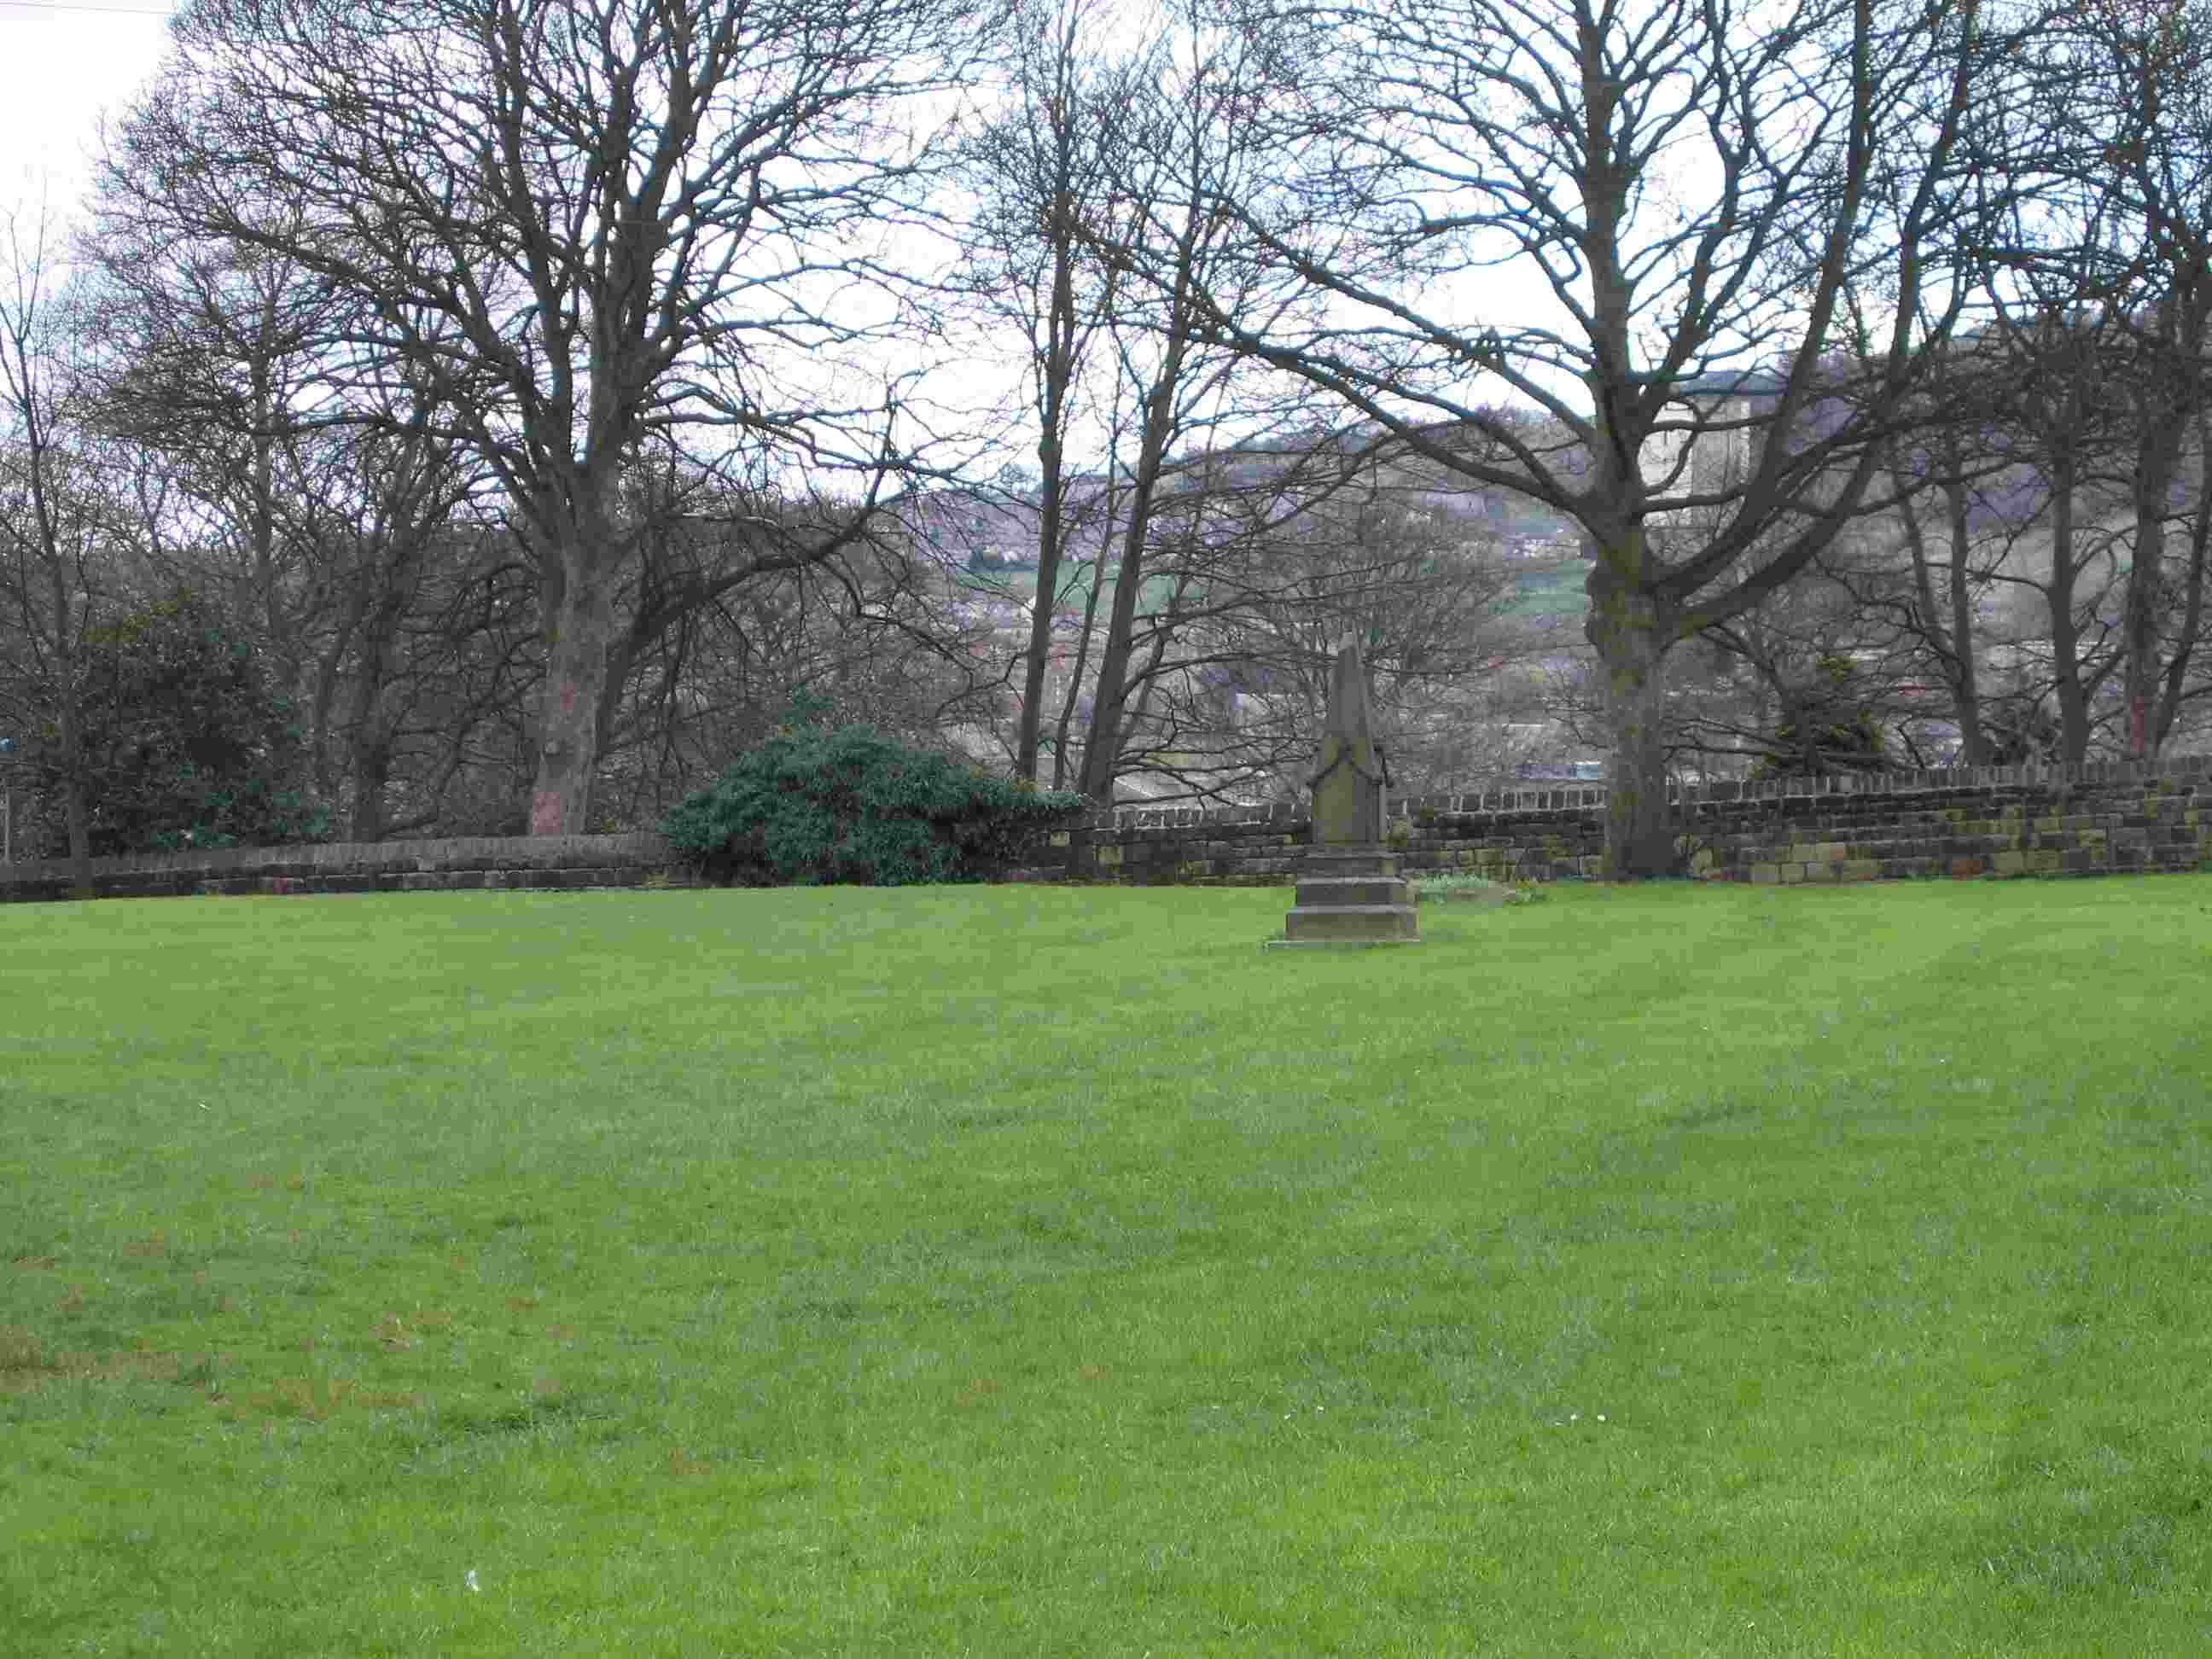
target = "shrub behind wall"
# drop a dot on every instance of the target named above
(816, 804)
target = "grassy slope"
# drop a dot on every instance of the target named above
(1015, 1271)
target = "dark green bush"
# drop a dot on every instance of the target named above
(816, 803)
(1826, 728)
(185, 740)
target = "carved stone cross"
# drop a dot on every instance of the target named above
(1350, 775)
(1349, 890)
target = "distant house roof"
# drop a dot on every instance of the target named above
(1733, 383)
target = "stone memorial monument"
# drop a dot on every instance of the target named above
(1349, 891)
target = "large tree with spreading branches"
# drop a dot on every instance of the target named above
(584, 230)
(1738, 224)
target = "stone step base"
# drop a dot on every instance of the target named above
(1336, 892)
(1352, 924)
(1329, 863)
(1332, 943)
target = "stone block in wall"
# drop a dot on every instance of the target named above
(1862, 869)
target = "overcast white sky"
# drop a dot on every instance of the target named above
(62, 63)
(66, 64)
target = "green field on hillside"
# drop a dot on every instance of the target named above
(997, 1271)
(1549, 590)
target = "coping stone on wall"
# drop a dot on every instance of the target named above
(569, 861)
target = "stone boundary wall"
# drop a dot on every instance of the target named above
(2096, 819)
(628, 860)
(2099, 818)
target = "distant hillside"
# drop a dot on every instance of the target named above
(1550, 588)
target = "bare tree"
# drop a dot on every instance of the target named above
(2102, 301)
(587, 226)
(1051, 166)
(2156, 140)
(2050, 513)
(1945, 622)
(56, 522)
(1705, 189)
(1189, 394)
(1264, 557)
(306, 490)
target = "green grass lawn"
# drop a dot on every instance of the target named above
(1026, 1271)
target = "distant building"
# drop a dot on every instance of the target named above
(1717, 419)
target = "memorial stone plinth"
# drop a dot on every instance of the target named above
(1349, 891)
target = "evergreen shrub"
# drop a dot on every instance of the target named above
(185, 741)
(818, 804)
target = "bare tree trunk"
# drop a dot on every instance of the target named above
(368, 722)
(579, 594)
(1102, 750)
(1952, 640)
(2192, 602)
(1631, 637)
(1049, 534)
(369, 770)
(1966, 692)
(1064, 731)
(2065, 632)
(1102, 747)
(2157, 455)
(1057, 375)
(76, 812)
